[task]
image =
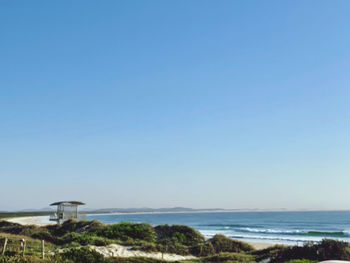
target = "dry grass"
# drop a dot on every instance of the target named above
(33, 246)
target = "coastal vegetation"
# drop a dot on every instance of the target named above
(72, 241)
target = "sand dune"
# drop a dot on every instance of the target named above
(114, 250)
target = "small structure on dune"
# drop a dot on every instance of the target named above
(66, 210)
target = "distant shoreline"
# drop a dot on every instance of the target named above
(90, 213)
(29, 220)
(6, 214)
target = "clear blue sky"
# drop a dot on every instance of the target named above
(232, 104)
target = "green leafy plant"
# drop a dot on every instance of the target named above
(222, 243)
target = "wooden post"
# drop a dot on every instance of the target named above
(23, 246)
(58, 213)
(42, 249)
(4, 247)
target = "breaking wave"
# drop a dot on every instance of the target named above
(296, 232)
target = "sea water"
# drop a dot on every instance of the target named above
(273, 227)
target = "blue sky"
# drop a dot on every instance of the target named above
(232, 104)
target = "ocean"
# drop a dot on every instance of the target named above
(273, 227)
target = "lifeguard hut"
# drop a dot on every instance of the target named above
(65, 210)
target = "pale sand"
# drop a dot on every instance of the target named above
(259, 245)
(30, 220)
(114, 250)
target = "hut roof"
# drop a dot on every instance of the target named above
(68, 203)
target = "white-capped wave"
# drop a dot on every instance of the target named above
(281, 239)
(272, 231)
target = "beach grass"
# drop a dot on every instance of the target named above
(87, 241)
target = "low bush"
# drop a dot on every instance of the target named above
(267, 253)
(184, 235)
(147, 246)
(327, 249)
(13, 228)
(43, 234)
(332, 249)
(83, 239)
(136, 260)
(301, 261)
(229, 257)
(203, 250)
(69, 226)
(33, 259)
(126, 231)
(83, 255)
(222, 243)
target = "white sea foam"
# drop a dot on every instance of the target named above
(272, 235)
(273, 231)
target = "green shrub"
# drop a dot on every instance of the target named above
(176, 248)
(84, 255)
(126, 231)
(94, 226)
(147, 246)
(332, 249)
(84, 239)
(222, 243)
(270, 252)
(43, 234)
(136, 260)
(327, 249)
(203, 250)
(69, 226)
(229, 257)
(184, 235)
(32, 259)
(301, 261)
(13, 228)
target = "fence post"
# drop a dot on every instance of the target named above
(42, 249)
(4, 247)
(23, 246)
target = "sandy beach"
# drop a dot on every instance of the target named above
(259, 245)
(115, 250)
(30, 220)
